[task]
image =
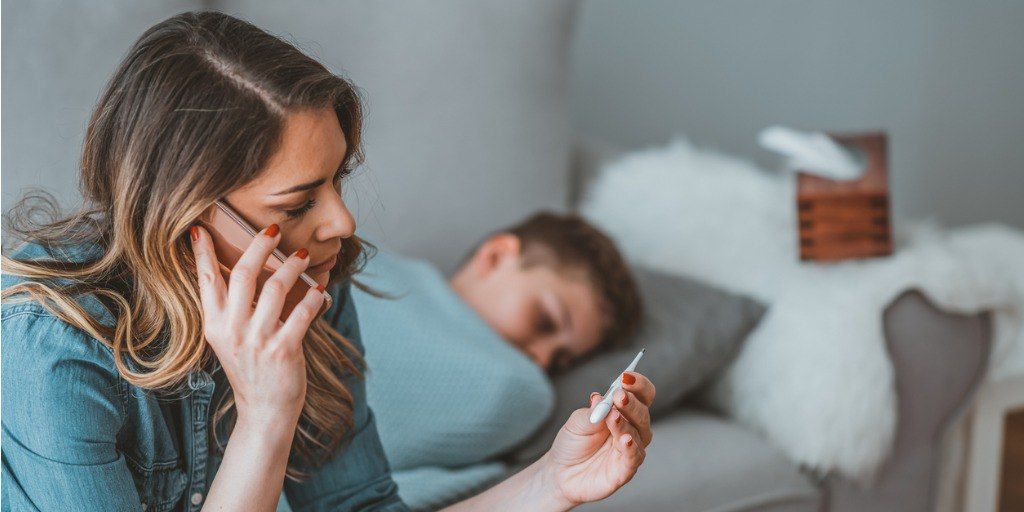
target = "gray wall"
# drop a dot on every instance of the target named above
(56, 58)
(944, 78)
(467, 124)
(946, 81)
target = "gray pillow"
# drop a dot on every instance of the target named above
(690, 330)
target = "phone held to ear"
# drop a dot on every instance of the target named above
(231, 235)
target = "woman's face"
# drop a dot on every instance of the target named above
(300, 191)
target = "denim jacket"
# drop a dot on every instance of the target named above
(77, 436)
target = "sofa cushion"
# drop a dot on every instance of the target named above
(698, 462)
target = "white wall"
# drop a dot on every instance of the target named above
(944, 78)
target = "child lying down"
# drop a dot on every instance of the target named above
(460, 365)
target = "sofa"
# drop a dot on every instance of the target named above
(468, 128)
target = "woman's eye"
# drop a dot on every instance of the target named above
(299, 212)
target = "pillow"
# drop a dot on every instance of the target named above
(690, 331)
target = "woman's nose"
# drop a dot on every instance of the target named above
(339, 223)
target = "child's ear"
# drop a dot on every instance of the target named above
(498, 249)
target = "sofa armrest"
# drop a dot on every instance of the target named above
(938, 359)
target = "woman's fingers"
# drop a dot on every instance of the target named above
(625, 441)
(242, 285)
(211, 283)
(275, 289)
(624, 438)
(639, 427)
(294, 329)
(620, 425)
(635, 412)
(639, 385)
(617, 424)
(633, 453)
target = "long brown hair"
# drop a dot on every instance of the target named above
(195, 109)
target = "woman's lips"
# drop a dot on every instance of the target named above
(320, 268)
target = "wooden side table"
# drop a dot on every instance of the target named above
(995, 472)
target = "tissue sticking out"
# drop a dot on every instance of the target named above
(812, 152)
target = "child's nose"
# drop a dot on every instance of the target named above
(542, 355)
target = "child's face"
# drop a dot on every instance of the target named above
(553, 317)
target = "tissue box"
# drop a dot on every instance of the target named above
(840, 220)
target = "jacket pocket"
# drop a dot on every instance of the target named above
(161, 487)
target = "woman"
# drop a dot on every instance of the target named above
(134, 373)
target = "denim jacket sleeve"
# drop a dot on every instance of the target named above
(62, 410)
(358, 476)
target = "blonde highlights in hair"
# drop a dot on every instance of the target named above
(194, 110)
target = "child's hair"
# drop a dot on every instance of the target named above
(569, 242)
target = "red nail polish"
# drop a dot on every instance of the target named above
(320, 288)
(630, 442)
(194, 233)
(625, 399)
(628, 379)
(302, 253)
(272, 230)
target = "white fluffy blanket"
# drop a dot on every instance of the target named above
(814, 377)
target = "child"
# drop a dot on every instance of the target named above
(553, 286)
(461, 365)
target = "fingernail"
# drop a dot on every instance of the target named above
(592, 395)
(301, 253)
(194, 233)
(628, 379)
(618, 420)
(629, 442)
(272, 230)
(320, 288)
(625, 398)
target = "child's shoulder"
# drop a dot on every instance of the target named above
(388, 268)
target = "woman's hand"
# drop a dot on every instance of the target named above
(261, 355)
(587, 461)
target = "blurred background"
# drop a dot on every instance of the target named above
(945, 79)
(481, 112)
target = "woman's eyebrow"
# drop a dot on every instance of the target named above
(305, 186)
(300, 188)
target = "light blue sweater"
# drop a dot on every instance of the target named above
(449, 394)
